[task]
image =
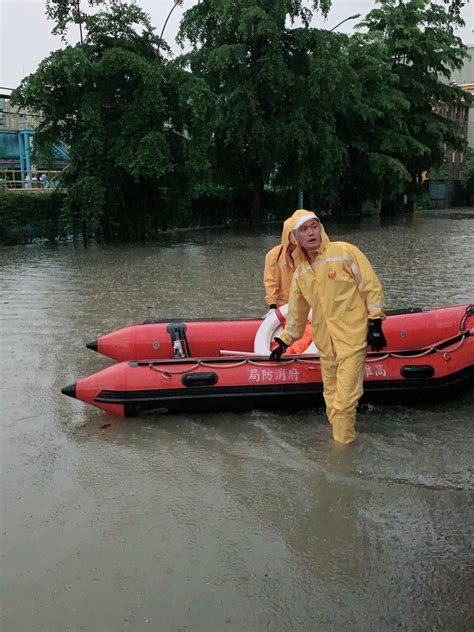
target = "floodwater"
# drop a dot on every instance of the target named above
(224, 522)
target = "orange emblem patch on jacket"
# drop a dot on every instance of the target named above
(331, 274)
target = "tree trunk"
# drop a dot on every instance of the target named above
(392, 207)
(410, 194)
(347, 207)
(410, 205)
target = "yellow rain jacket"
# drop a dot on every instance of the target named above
(280, 265)
(343, 291)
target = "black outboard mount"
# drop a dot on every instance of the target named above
(179, 342)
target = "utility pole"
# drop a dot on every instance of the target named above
(351, 17)
(168, 17)
(80, 21)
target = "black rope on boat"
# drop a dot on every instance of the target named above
(456, 341)
(469, 312)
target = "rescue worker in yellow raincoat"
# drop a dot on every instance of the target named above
(280, 263)
(336, 281)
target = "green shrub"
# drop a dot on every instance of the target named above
(468, 176)
(24, 216)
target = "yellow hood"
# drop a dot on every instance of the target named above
(285, 234)
(295, 254)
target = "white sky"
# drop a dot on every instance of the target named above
(25, 33)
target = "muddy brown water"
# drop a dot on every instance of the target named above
(226, 521)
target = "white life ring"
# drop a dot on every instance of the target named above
(270, 328)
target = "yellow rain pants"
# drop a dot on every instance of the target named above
(343, 386)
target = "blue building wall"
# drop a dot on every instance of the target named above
(9, 146)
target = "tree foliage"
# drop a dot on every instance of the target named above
(314, 155)
(138, 127)
(260, 96)
(64, 12)
(422, 50)
(370, 110)
(244, 51)
(468, 176)
(454, 10)
(29, 215)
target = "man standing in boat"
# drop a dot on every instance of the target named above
(336, 281)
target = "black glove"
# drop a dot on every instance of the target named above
(375, 336)
(278, 351)
(271, 308)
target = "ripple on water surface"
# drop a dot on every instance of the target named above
(224, 521)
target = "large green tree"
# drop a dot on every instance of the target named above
(370, 110)
(468, 175)
(245, 49)
(137, 126)
(377, 102)
(422, 50)
(345, 118)
(314, 155)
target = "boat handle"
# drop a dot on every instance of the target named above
(414, 371)
(200, 379)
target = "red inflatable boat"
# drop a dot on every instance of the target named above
(212, 365)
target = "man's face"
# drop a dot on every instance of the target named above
(309, 235)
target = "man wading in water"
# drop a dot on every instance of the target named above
(336, 281)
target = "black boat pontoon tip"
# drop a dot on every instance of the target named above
(70, 390)
(92, 345)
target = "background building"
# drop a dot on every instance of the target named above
(465, 78)
(445, 186)
(17, 170)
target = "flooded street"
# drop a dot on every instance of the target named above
(224, 522)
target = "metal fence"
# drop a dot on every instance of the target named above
(37, 180)
(16, 121)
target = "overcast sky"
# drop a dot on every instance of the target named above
(26, 38)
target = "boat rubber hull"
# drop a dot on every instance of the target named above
(404, 330)
(207, 384)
